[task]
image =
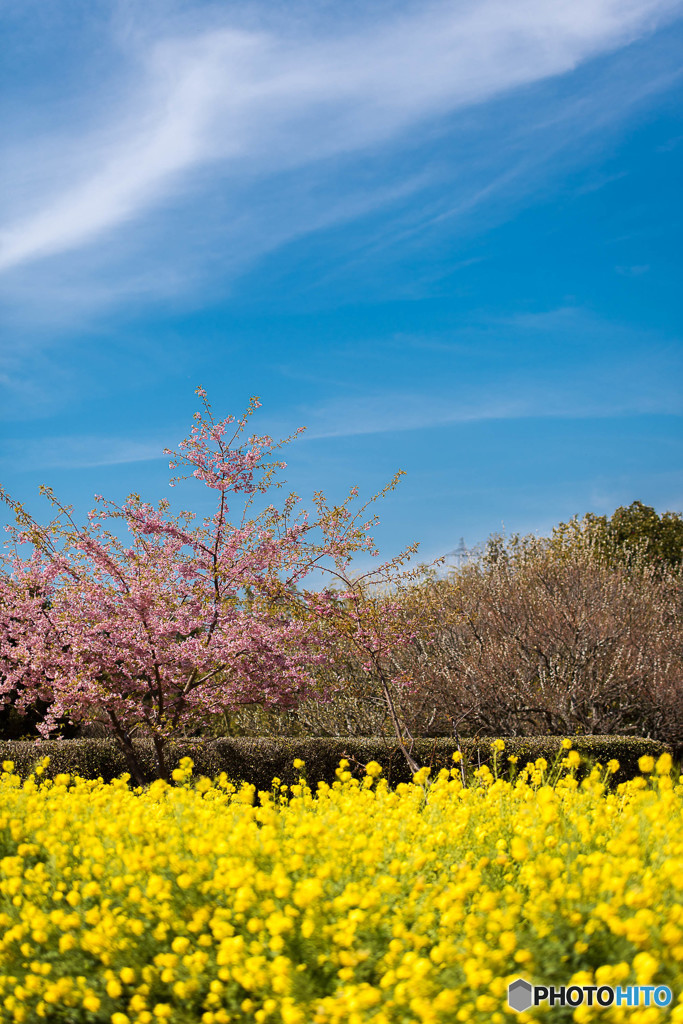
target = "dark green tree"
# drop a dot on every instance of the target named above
(634, 532)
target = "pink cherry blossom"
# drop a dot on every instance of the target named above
(186, 621)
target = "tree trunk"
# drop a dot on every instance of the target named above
(126, 746)
(410, 760)
(162, 768)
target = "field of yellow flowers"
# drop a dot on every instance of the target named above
(202, 901)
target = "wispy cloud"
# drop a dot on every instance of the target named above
(382, 413)
(406, 411)
(363, 415)
(82, 451)
(636, 271)
(583, 376)
(598, 384)
(256, 102)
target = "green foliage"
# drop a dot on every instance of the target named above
(632, 533)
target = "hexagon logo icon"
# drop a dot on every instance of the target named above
(519, 995)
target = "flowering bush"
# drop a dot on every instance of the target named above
(197, 901)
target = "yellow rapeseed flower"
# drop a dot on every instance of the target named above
(352, 904)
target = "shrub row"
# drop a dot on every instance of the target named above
(259, 760)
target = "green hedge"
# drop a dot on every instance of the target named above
(258, 761)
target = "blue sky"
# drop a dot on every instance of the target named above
(445, 237)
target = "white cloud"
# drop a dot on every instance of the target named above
(387, 412)
(591, 392)
(598, 386)
(79, 452)
(256, 103)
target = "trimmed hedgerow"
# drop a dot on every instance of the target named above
(258, 760)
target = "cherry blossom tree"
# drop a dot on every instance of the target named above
(183, 620)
